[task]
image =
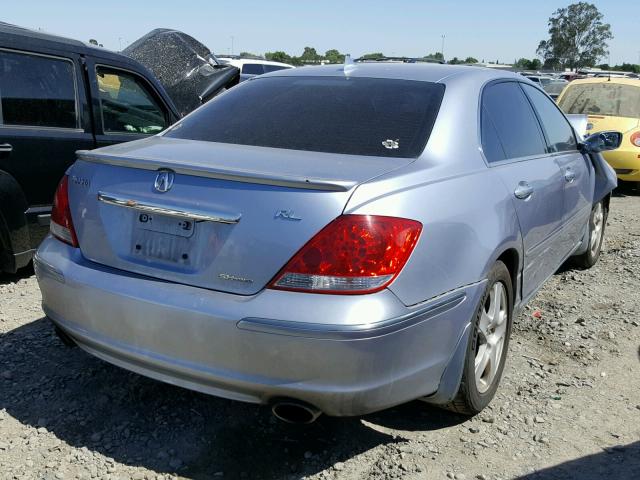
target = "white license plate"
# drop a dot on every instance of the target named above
(163, 238)
(163, 224)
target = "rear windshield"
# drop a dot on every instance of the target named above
(609, 99)
(359, 116)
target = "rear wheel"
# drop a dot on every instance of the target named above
(597, 222)
(488, 345)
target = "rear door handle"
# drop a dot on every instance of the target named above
(569, 175)
(6, 148)
(523, 191)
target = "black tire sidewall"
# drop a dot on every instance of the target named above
(474, 399)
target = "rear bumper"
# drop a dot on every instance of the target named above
(626, 163)
(347, 355)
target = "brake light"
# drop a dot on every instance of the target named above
(635, 139)
(354, 254)
(61, 225)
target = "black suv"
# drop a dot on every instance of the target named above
(57, 96)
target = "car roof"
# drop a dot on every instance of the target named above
(617, 80)
(426, 72)
(38, 39)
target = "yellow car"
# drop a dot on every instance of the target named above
(611, 104)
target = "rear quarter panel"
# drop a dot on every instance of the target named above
(466, 211)
(468, 222)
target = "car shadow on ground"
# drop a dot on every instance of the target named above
(26, 272)
(615, 463)
(140, 422)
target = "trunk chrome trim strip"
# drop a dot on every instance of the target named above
(196, 215)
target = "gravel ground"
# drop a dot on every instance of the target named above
(568, 407)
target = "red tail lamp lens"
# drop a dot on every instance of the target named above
(354, 254)
(61, 225)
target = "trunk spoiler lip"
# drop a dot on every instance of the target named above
(235, 175)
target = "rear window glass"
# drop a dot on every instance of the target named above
(273, 68)
(359, 116)
(252, 69)
(37, 91)
(609, 99)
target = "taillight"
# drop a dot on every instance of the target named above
(61, 225)
(354, 254)
(635, 139)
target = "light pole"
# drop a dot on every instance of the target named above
(442, 49)
(231, 44)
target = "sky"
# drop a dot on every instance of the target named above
(490, 30)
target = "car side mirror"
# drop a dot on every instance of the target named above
(601, 142)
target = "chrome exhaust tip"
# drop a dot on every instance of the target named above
(292, 411)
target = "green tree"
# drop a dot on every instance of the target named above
(334, 56)
(249, 55)
(278, 56)
(470, 60)
(309, 55)
(577, 37)
(372, 56)
(455, 61)
(435, 56)
(628, 67)
(526, 64)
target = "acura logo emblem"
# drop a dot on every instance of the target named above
(164, 181)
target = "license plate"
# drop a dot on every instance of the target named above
(163, 238)
(163, 224)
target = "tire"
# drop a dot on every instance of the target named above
(597, 224)
(477, 391)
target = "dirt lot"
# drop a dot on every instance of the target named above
(568, 407)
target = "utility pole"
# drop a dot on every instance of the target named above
(231, 44)
(442, 49)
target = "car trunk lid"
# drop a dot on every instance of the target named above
(231, 219)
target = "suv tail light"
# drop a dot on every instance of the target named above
(635, 139)
(61, 224)
(354, 254)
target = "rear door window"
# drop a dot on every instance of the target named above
(557, 128)
(252, 69)
(128, 105)
(514, 121)
(351, 115)
(37, 91)
(273, 68)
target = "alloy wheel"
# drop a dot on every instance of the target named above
(597, 222)
(490, 337)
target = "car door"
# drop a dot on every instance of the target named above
(514, 145)
(576, 168)
(126, 106)
(42, 121)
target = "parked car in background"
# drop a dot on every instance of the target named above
(251, 67)
(553, 86)
(57, 96)
(611, 104)
(186, 68)
(352, 238)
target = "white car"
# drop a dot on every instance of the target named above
(250, 67)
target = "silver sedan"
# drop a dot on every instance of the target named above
(335, 239)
